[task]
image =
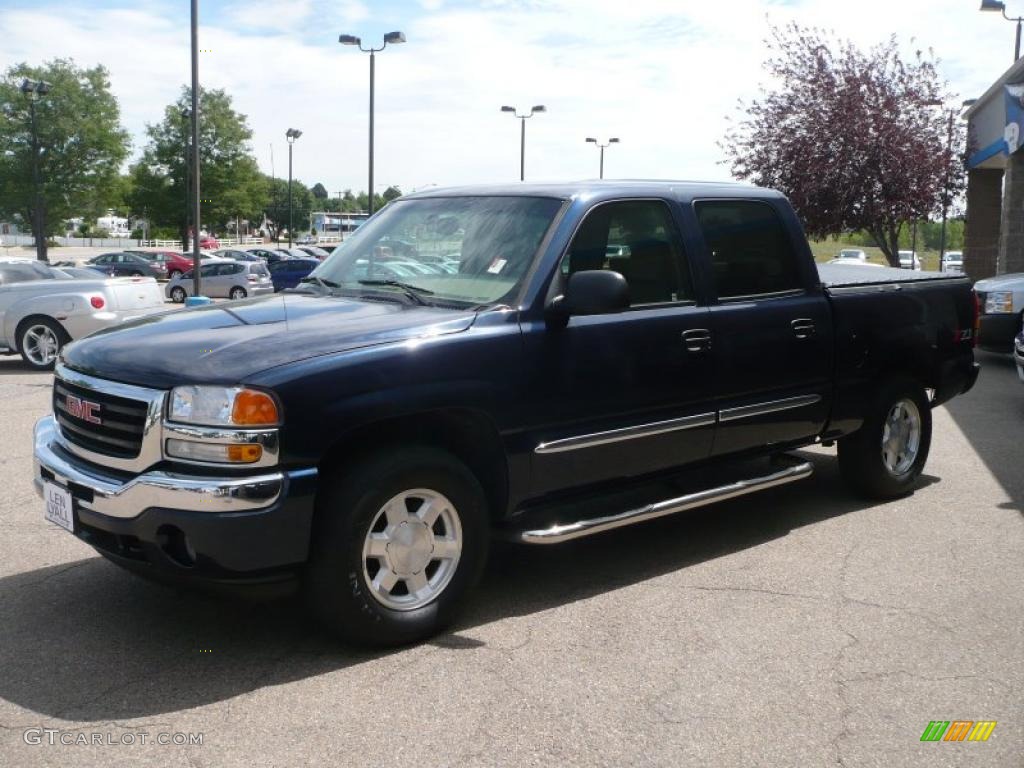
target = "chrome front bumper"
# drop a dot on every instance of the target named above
(167, 490)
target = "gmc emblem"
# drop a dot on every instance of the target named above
(85, 410)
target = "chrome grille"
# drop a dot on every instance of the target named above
(121, 421)
(129, 434)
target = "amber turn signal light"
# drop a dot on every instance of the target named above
(245, 453)
(253, 408)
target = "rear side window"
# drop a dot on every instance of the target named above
(751, 252)
(258, 269)
(23, 273)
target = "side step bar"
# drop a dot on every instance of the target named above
(556, 534)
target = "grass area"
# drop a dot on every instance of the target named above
(824, 250)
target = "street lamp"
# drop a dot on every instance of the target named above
(602, 146)
(291, 134)
(522, 134)
(33, 91)
(996, 5)
(390, 37)
(186, 116)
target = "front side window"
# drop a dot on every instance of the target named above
(472, 250)
(637, 239)
(751, 252)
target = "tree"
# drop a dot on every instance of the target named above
(391, 193)
(856, 139)
(81, 145)
(319, 191)
(276, 209)
(231, 185)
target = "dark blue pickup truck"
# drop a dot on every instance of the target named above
(530, 362)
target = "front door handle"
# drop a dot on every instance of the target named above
(803, 327)
(697, 339)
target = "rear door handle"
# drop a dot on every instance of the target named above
(697, 339)
(803, 327)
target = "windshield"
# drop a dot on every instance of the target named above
(475, 250)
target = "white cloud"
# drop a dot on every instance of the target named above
(662, 75)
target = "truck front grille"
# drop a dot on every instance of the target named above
(110, 425)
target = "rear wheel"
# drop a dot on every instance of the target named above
(173, 274)
(400, 540)
(237, 293)
(885, 457)
(40, 341)
(136, 273)
(178, 294)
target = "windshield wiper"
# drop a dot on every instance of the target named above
(414, 292)
(320, 281)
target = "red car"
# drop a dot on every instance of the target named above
(175, 262)
(208, 243)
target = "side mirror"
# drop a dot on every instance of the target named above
(592, 292)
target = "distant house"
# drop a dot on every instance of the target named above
(117, 226)
(9, 228)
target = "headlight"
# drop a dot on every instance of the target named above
(222, 406)
(999, 302)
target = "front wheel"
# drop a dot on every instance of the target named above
(884, 458)
(178, 295)
(237, 293)
(399, 541)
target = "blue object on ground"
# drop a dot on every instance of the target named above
(197, 301)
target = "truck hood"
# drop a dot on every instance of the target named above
(1011, 282)
(226, 343)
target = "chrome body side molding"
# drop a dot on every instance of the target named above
(772, 406)
(627, 433)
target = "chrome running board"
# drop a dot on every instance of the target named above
(556, 534)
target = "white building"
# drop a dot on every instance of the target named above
(117, 226)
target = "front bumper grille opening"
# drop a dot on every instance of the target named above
(122, 421)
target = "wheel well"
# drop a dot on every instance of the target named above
(468, 435)
(35, 318)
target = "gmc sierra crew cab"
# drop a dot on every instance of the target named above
(534, 362)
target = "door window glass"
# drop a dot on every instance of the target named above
(637, 239)
(751, 252)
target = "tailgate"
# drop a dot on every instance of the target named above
(127, 293)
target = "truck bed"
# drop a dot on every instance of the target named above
(852, 276)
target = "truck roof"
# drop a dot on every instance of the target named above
(607, 187)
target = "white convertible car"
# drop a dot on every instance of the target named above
(42, 308)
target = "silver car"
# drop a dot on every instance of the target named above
(42, 308)
(225, 280)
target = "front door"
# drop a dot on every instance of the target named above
(628, 393)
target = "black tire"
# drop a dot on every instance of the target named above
(178, 294)
(237, 293)
(173, 274)
(30, 324)
(336, 578)
(136, 273)
(861, 459)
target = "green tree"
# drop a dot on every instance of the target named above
(319, 191)
(81, 144)
(276, 209)
(231, 185)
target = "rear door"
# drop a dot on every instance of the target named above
(770, 326)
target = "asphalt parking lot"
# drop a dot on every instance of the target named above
(799, 627)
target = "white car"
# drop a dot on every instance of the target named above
(952, 261)
(851, 254)
(909, 260)
(42, 308)
(853, 263)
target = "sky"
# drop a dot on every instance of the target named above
(663, 76)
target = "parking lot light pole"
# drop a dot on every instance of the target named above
(602, 146)
(996, 5)
(522, 134)
(33, 90)
(196, 212)
(291, 134)
(390, 37)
